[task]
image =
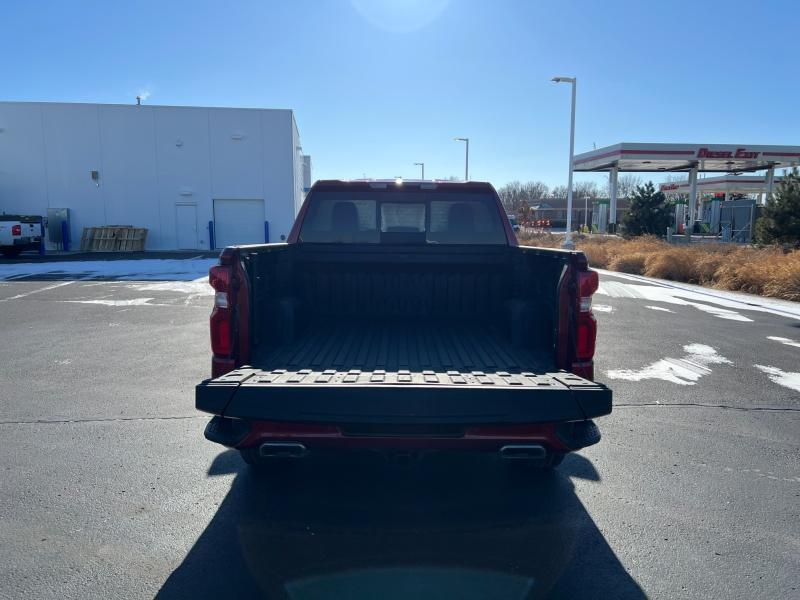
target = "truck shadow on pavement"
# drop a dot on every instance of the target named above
(447, 527)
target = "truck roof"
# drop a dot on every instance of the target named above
(426, 184)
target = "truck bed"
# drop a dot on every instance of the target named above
(402, 352)
(356, 371)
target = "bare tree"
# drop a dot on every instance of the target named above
(586, 189)
(515, 196)
(627, 184)
(558, 191)
(535, 190)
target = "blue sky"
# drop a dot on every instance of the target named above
(380, 84)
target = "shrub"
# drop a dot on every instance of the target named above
(629, 263)
(674, 264)
(648, 213)
(596, 254)
(784, 279)
(780, 220)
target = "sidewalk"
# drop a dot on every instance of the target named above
(60, 256)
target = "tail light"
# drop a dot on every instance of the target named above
(16, 230)
(586, 329)
(220, 278)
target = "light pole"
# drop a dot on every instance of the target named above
(423, 168)
(466, 164)
(568, 237)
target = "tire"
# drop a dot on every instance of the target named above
(11, 251)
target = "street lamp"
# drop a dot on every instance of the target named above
(466, 164)
(568, 237)
(422, 164)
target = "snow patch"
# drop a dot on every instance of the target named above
(197, 287)
(661, 308)
(682, 371)
(784, 378)
(784, 341)
(655, 293)
(673, 292)
(602, 308)
(134, 302)
(145, 269)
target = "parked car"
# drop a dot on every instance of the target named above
(18, 233)
(513, 220)
(403, 317)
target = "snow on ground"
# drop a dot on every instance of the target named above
(784, 341)
(659, 308)
(684, 371)
(784, 378)
(197, 287)
(722, 304)
(133, 302)
(146, 269)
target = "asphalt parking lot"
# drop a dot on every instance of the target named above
(109, 489)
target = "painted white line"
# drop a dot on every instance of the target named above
(602, 308)
(682, 371)
(660, 308)
(44, 289)
(784, 341)
(784, 378)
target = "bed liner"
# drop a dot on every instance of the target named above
(360, 372)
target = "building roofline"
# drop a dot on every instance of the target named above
(142, 106)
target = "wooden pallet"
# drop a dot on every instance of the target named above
(113, 238)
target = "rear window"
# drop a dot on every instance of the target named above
(341, 220)
(397, 217)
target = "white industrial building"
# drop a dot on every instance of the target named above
(195, 177)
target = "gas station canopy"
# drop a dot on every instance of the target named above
(726, 184)
(724, 158)
(692, 158)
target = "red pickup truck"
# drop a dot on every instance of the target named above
(403, 317)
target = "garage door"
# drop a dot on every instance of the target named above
(238, 222)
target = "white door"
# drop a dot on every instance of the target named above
(238, 222)
(186, 226)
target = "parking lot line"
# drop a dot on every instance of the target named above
(44, 289)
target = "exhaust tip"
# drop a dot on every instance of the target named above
(523, 452)
(282, 449)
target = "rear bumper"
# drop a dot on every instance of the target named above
(559, 437)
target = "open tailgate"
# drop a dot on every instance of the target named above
(393, 397)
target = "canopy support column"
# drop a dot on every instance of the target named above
(769, 181)
(716, 205)
(692, 197)
(612, 192)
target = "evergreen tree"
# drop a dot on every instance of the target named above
(780, 220)
(649, 212)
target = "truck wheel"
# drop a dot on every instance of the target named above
(11, 252)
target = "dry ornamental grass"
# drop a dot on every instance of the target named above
(767, 272)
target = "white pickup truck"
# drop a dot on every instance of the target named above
(18, 233)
